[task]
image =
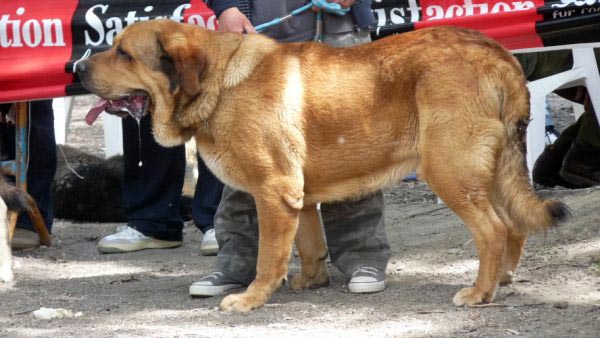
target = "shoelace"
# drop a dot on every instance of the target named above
(365, 270)
(126, 231)
(214, 275)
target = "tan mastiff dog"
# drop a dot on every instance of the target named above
(300, 123)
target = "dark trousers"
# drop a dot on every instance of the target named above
(152, 191)
(206, 198)
(354, 231)
(42, 162)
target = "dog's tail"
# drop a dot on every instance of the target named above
(522, 209)
(16, 200)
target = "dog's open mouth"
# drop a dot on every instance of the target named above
(134, 105)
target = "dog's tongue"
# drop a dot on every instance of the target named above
(135, 105)
(95, 111)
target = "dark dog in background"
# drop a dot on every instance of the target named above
(87, 188)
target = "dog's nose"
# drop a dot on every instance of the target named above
(81, 66)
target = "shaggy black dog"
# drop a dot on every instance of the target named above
(96, 195)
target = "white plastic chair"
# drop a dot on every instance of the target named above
(584, 73)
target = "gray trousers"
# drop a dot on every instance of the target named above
(354, 231)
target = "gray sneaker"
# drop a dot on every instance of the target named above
(128, 239)
(214, 284)
(367, 279)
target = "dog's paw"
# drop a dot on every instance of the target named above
(241, 302)
(302, 281)
(507, 278)
(469, 296)
(6, 274)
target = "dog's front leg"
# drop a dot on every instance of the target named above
(278, 222)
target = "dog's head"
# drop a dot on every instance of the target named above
(154, 66)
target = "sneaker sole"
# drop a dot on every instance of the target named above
(122, 248)
(366, 287)
(210, 291)
(209, 250)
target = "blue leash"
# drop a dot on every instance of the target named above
(279, 20)
(323, 4)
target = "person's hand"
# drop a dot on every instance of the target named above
(344, 3)
(232, 20)
(339, 7)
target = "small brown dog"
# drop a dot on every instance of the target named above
(12, 201)
(301, 123)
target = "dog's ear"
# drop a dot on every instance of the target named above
(181, 61)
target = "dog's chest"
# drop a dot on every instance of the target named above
(220, 165)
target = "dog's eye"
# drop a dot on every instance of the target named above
(122, 54)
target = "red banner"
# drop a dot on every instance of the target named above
(517, 24)
(513, 23)
(35, 43)
(39, 41)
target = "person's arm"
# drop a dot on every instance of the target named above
(229, 16)
(362, 14)
(344, 3)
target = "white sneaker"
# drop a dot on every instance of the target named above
(367, 279)
(209, 246)
(128, 239)
(215, 284)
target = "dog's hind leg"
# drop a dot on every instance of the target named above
(313, 251)
(278, 216)
(514, 250)
(460, 170)
(489, 233)
(515, 244)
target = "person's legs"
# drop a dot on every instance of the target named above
(581, 165)
(207, 196)
(206, 201)
(42, 162)
(236, 225)
(40, 172)
(151, 192)
(547, 167)
(357, 242)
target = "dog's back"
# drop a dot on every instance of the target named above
(15, 199)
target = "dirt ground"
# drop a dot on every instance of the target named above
(145, 294)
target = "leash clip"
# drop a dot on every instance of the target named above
(86, 55)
